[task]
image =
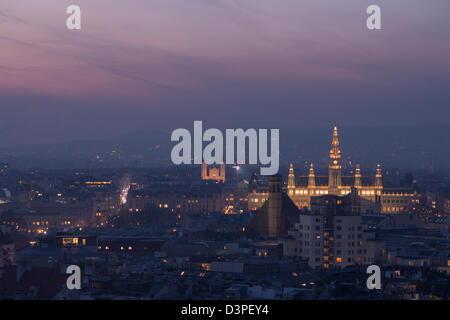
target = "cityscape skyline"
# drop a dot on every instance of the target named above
(202, 233)
(224, 154)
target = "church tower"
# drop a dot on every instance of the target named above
(291, 180)
(334, 171)
(277, 215)
(274, 212)
(204, 171)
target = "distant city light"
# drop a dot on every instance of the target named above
(124, 194)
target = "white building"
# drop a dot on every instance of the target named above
(332, 235)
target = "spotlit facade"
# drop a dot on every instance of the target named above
(217, 174)
(302, 188)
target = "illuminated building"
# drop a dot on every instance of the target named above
(217, 174)
(301, 189)
(40, 222)
(97, 184)
(193, 201)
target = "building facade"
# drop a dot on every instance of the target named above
(301, 189)
(216, 174)
(332, 234)
(194, 202)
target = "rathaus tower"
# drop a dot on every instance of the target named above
(376, 197)
(334, 169)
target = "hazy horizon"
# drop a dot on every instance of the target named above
(406, 147)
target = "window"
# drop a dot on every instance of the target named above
(70, 241)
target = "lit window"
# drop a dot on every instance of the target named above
(70, 241)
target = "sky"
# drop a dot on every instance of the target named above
(161, 64)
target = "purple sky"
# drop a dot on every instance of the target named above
(160, 64)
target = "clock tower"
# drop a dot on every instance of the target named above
(334, 171)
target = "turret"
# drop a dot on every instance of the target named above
(358, 177)
(291, 180)
(378, 177)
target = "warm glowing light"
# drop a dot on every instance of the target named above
(124, 194)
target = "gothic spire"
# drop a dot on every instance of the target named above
(334, 175)
(335, 152)
(311, 177)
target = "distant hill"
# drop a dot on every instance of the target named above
(408, 147)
